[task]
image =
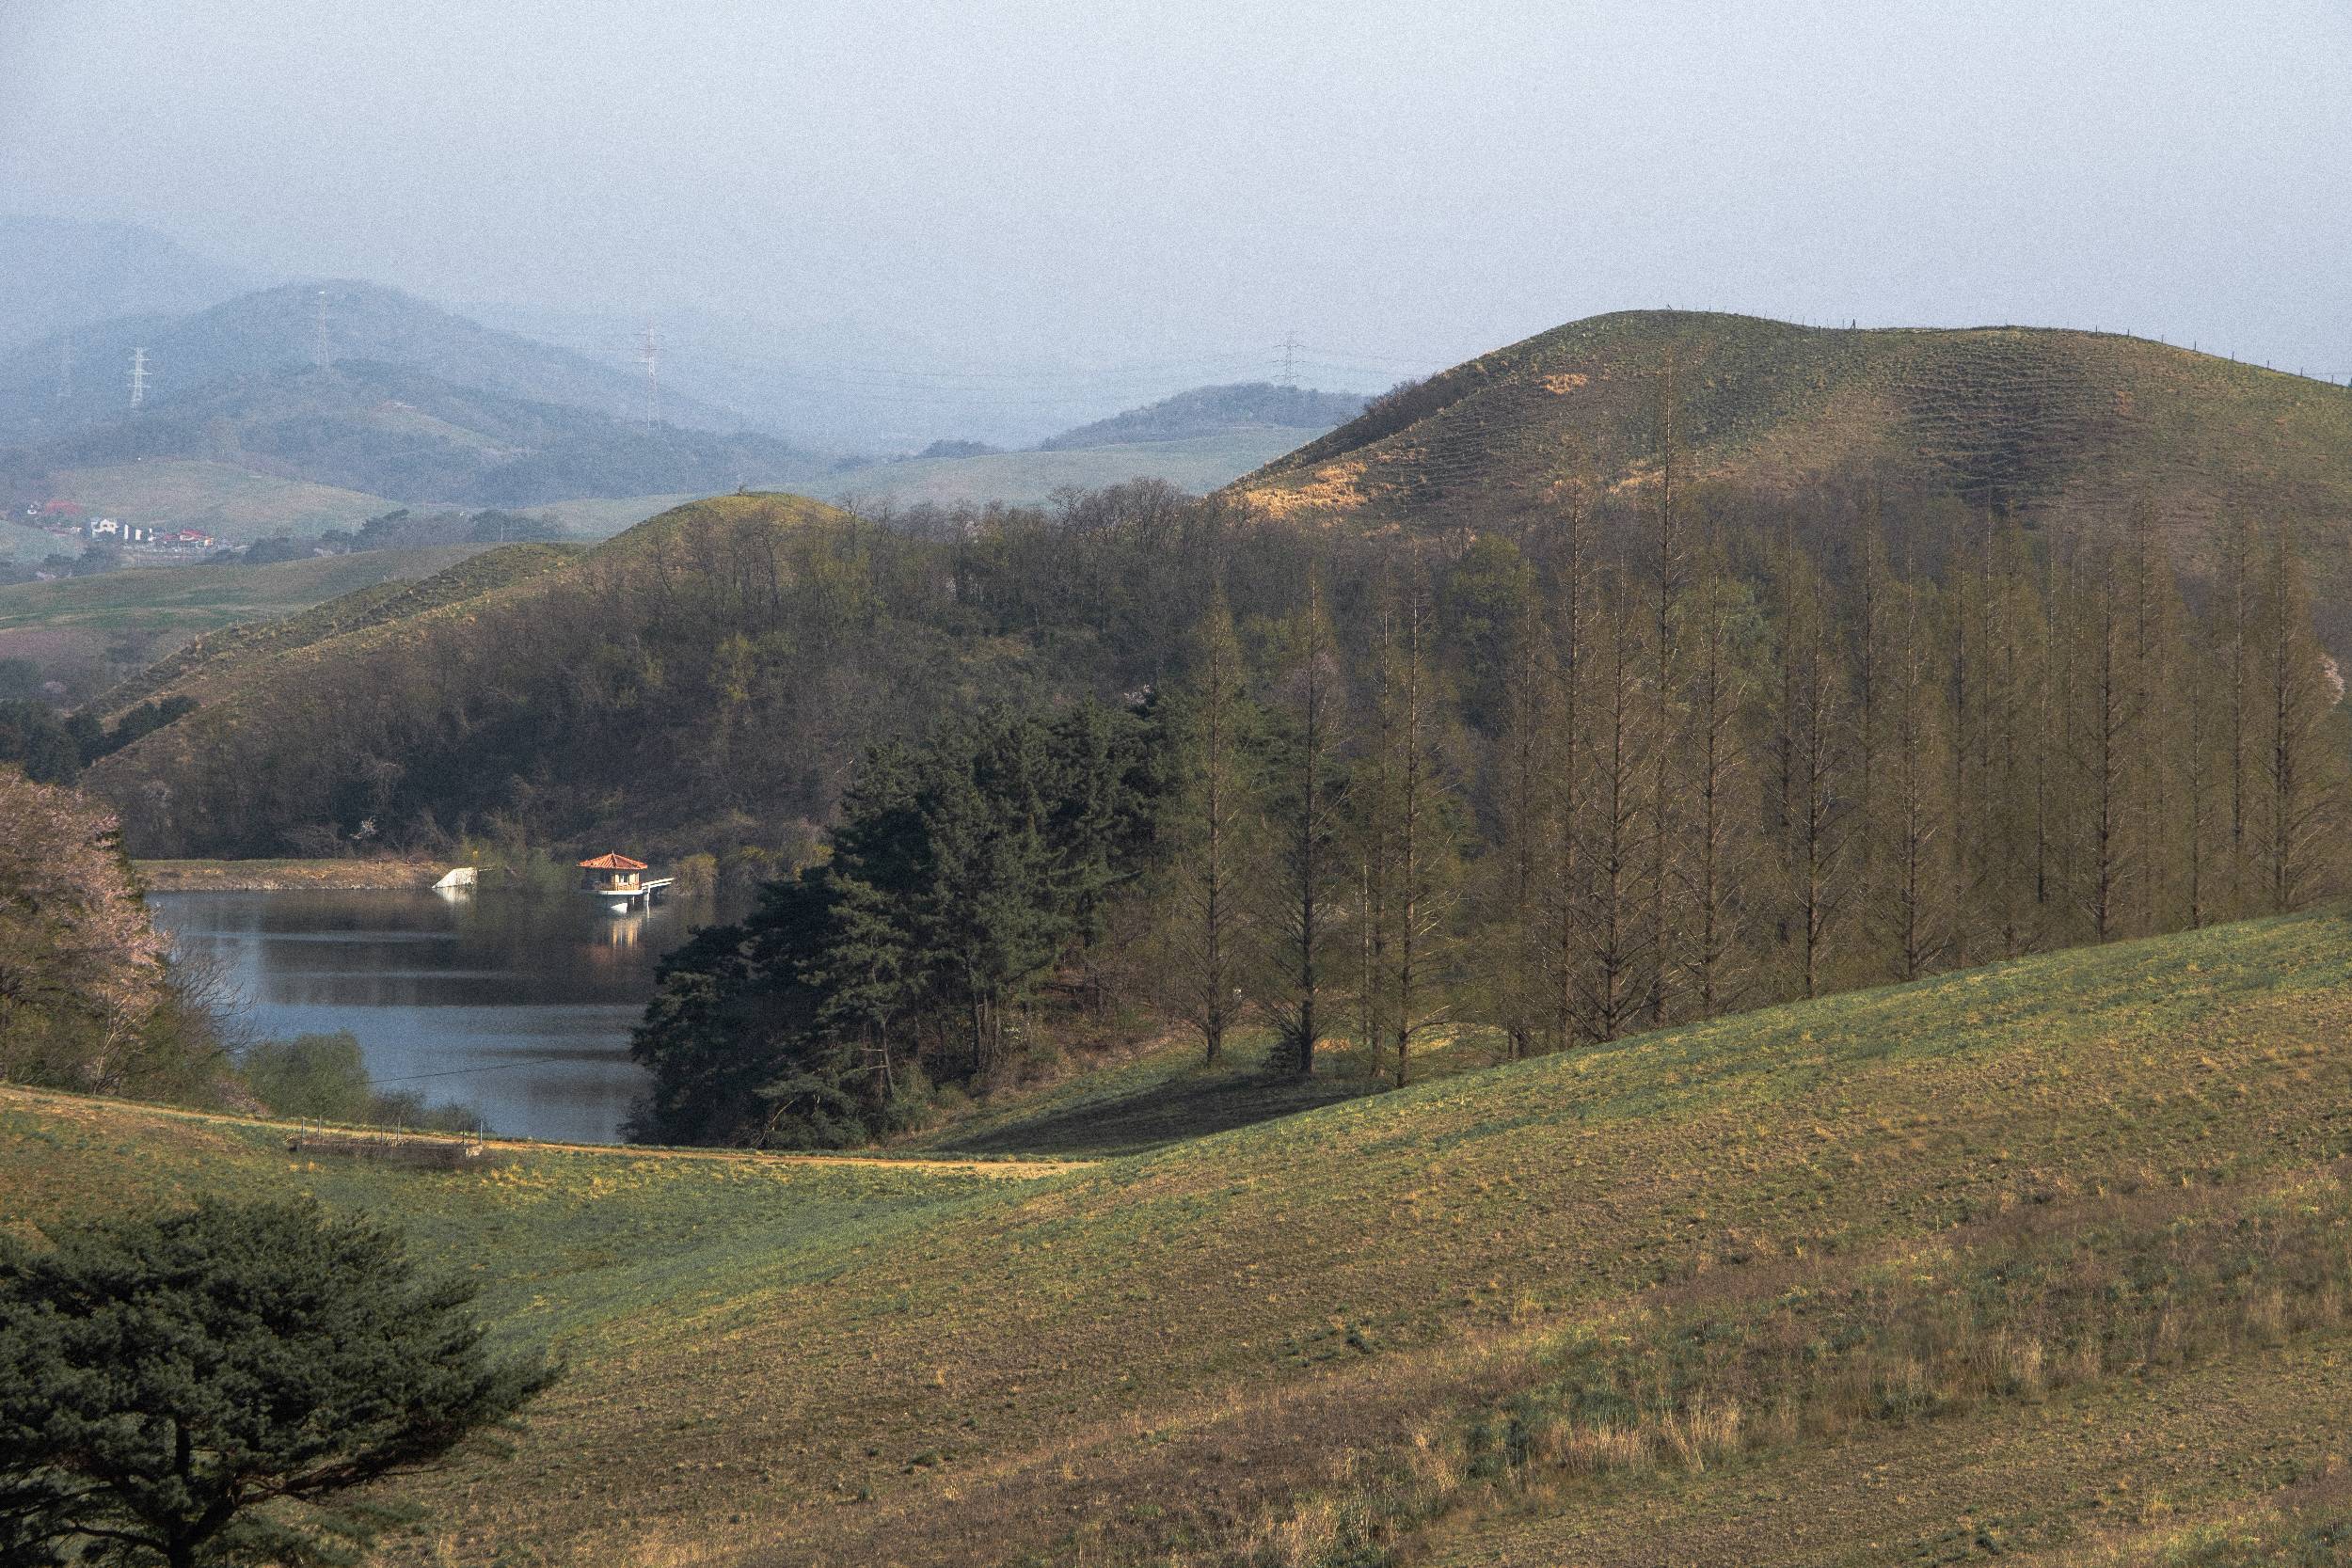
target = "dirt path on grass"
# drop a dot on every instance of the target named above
(89, 1107)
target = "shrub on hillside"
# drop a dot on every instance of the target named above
(326, 1077)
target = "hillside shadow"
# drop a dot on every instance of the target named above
(1170, 1097)
(1156, 1114)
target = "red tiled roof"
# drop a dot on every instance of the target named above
(613, 863)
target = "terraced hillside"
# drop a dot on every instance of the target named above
(2062, 426)
(2046, 1260)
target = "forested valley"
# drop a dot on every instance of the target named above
(1642, 760)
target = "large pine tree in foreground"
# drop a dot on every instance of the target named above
(206, 1387)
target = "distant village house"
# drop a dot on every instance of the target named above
(150, 536)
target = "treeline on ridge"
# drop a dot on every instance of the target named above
(51, 749)
(1639, 762)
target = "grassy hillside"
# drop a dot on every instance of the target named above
(233, 503)
(1213, 411)
(600, 516)
(212, 665)
(85, 626)
(582, 683)
(1196, 464)
(2062, 425)
(2039, 1259)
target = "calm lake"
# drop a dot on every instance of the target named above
(518, 1004)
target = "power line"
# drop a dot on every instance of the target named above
(453, 1073)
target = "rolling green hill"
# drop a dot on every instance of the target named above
(2065, 427)
(1196, 465)
(211, 665)
(121, 621)
(2048, 1260)
(235, 504)
(1216, 410)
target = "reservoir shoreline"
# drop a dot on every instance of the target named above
(284, 876)
(516, 1004)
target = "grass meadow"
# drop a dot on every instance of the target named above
(120, 620)
(2046, 1260)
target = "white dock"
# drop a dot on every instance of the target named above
(620, 900)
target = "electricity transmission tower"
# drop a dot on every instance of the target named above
(64, 369)
(1290, 360)
(649, 351)
(138, 376)
(324, 360)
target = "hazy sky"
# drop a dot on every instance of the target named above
(1400, 184)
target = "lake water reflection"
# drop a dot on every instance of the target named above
(520, 1004)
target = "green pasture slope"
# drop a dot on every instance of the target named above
(257, 647)
(138, 615)
(1498, 1317)
(204, 598)
(234, 503)
(1196, 465)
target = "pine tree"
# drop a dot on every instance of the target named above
(2300, 780)
(1813, 731)
(1563, 805)
(1612, 933)
(1668, 563)
(206, 1386)
(1915, 810)
(1413, 831)
(2109, 742)
(1720, 815)
(987, 908)
(1516, 953)
(1306, 793)
(1210, 830)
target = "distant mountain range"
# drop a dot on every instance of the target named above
(1196, 440)
(263, 334)
(835, 386)
(394, 431)
(413, 402)
(369, 389)
(1217, 411)
(61, 274)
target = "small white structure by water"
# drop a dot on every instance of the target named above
(622, 883)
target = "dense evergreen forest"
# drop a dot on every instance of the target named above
(1647, 757)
